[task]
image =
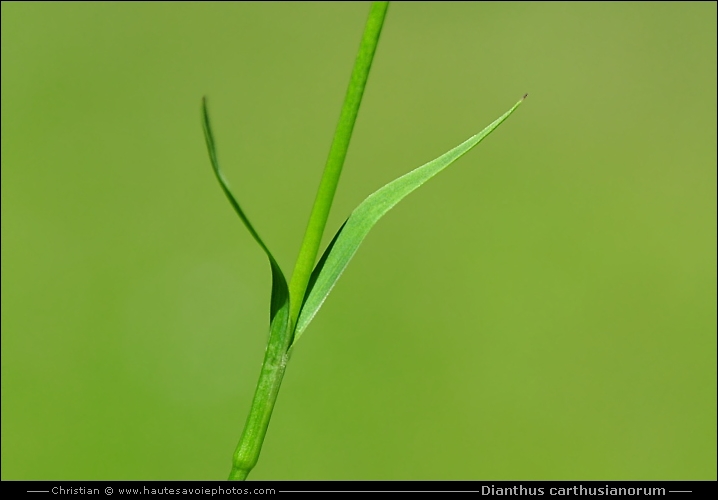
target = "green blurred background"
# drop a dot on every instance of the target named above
(544, 309)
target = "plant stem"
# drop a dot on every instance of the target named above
(282, 325)
(333, 168)
(270, 379)
(247, 453)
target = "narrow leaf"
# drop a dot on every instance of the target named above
(365, 216)
(280, 336)
(280, 291)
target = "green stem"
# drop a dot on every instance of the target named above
(333, 169)
(276, 356)
(247, 452)
(270, 379)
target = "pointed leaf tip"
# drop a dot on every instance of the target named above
(525, 96)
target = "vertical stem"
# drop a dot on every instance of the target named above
(282, 327)
(337, 153)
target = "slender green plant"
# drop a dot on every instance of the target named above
(294, 305)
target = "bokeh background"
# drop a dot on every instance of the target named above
(544, 309)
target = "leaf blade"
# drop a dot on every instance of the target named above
(347, 240)
(280, 336)
(280, 290)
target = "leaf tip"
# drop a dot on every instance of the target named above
(525, 96)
